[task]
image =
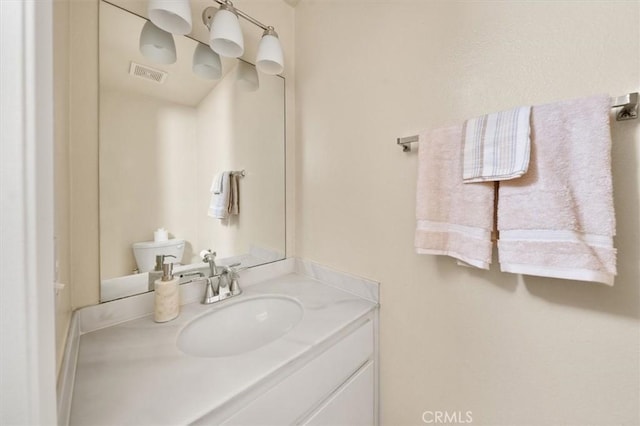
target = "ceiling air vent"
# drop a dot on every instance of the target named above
(147, 73)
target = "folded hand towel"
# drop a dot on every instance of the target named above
(496, 146)
(216, 184)
(558, 219)
(219, 205)
(453, 219)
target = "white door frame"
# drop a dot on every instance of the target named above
(27, 312)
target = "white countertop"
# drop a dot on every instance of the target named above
(133, 372)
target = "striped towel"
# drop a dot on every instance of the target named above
(497, 146)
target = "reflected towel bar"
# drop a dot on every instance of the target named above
(239, 173)
(629, 111)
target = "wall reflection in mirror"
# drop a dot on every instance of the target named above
(169, 131)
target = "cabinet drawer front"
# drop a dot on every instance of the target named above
(352, 405)
(292, 398)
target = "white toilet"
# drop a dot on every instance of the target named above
(146, 252)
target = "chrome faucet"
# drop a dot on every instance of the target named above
(223, 282)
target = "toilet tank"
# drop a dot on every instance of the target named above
(146, 252)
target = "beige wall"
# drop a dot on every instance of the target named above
(83, 153)
(75, 160)
(61, 170)
(513, 350)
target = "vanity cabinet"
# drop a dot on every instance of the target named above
(335, 388)
(322, 371)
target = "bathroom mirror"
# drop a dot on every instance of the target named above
(165, 135)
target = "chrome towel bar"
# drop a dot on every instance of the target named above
(629, 111)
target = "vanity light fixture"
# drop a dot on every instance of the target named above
(270, 59)
(226, 37)
(157, 44)
(206, 63)
(173, 16)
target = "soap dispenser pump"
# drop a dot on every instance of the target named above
(167, 295)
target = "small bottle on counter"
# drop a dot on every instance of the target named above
(167, 295)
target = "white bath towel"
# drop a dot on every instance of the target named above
(453, 219)
(496, 146)
(220, 194)
(558, 219)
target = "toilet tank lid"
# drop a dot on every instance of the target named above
(152, 244)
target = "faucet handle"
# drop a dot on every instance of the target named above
(233, 267)
(234, 287)
(207, 255)
(229, 269)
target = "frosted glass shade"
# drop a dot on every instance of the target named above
(157, 45)
(247, 77)
(270, 59)
(173, 16)
(225, 37)
(206, 63)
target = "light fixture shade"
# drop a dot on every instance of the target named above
(173, 16)
(157, 45)
(225, 37)
(270, 59)
(247, 77)
(206, 63)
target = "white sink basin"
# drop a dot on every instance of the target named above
(240, 327)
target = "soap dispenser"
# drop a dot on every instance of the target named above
(167, 295)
